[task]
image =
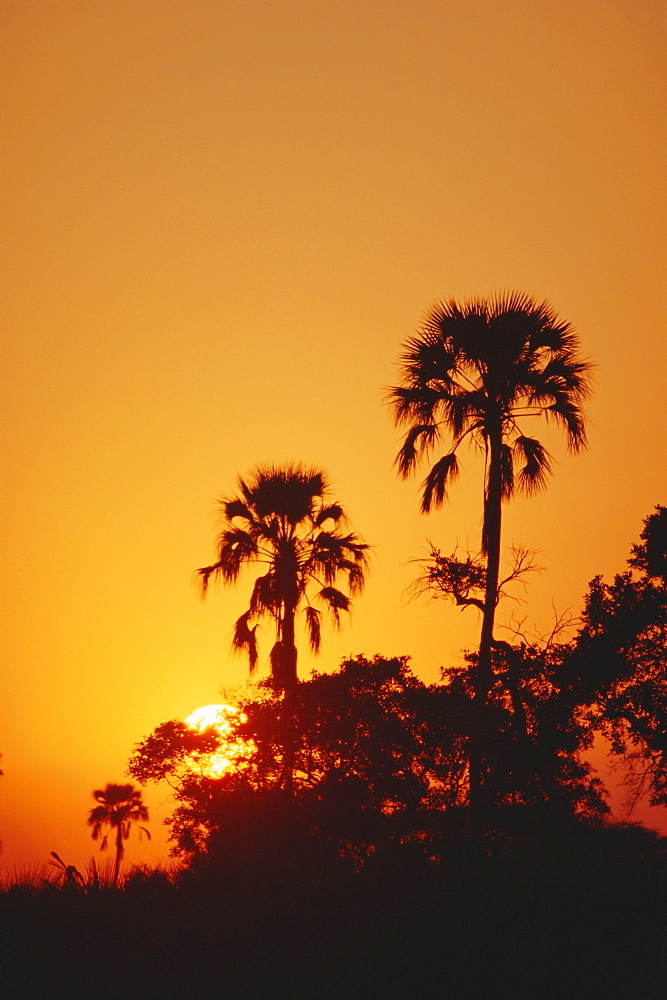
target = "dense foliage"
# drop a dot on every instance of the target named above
(378, 762)
(620, 661)
(373, 750)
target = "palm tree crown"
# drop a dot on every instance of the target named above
(284, 519)
(119, 806)
(474, 371)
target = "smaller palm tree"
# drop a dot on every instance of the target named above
(284, 520)
(118, 807)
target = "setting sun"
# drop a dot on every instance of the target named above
(220, 717)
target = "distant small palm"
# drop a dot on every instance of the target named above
(284, 519)
(119, 807)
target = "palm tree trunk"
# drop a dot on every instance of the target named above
(483, 676)
(289, 681)
(119, 852)
(289, 647)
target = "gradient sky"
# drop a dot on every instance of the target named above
(223, 218)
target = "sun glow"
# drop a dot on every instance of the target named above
(220, 717)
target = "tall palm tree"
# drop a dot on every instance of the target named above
(474, 373)
(118, 807)
(284, 520)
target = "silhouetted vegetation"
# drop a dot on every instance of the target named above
(285, 520)
(363, 879)
(119, 806)
(342, 854)
(560, 910)
(474, 372)
(620, 661)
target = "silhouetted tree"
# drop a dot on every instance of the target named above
(173, 750)
(620, 661)
(284, 519)
(542, 732)
(473, 372)
(650, 555)
(119, 806)
(377, 756)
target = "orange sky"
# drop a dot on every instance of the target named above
(223, 218)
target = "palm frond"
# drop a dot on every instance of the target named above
(245, 489)
(203, 578)
(537, 323)
(333, 554)
(569, 415)
(565, 374)
(235, 548)
(436, 483)
(356, 578)
(335, 601)
(463, 328)
(336, 545)
(237, 508)
(265, 597)
(418, 441)
(314, 629)
(448, 322)
(244, 639)
(326, 554)
(429, 358)
(332, 512)
(537, 464)
(466, 411)
(511, 332)
(413, 402)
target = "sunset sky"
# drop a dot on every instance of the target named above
(222, 219)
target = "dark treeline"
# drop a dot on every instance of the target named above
(363, 875)
(380, 761)
(378, 836)
(578, 911)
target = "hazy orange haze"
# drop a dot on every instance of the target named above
(222, 220)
